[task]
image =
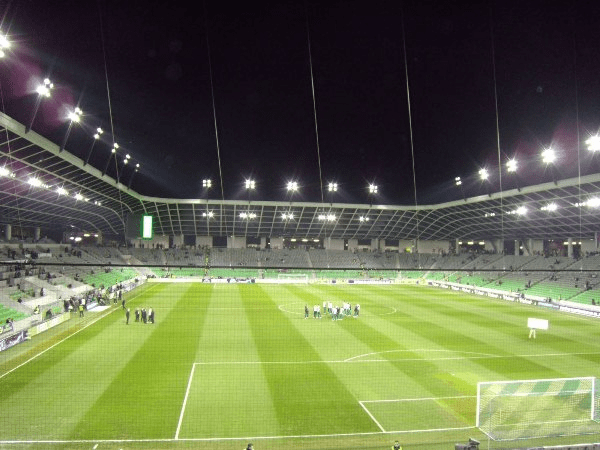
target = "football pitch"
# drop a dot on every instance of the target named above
(228, 364)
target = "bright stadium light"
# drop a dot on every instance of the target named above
(98, 133)
(61, 191)
(35, 182)
(4, 45)
(75, 115)
(4, 172)
(287, 216)
(363, 219)
(550, 207)
(593, 202)
(208, 214)
(483, 174)
(511, 165)
(332, 187)
(78, 196)
(373, 189)
(207, 183)
(45, 88)
(593, 143)
(250, 184)
(292, 186)
(457, 181)
(548, 156)
(521, 210)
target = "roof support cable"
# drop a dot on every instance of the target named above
(110, 114)
(412, 143)
(214, 109)
(493, 48)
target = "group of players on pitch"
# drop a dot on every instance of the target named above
(336, 312)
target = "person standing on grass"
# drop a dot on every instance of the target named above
(250, 447)
(396, 446)
(127, 317)
(144, 318)
(151, 315)
(306, 311)
(137, 314)
(80, 309)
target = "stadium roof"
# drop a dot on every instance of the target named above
(555, 210)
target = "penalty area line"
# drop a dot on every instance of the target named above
(185, 398)
(371, 416)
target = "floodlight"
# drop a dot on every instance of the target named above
(594, 202)
(125, 161)
(62, 191)
(483, 174)
(35, 182)
(292, 186)
(4, 42)
(363, 219)
(250, 184)
(333, 187)
(207, 183)
(331, 217)
(4, 172)
(78, 196)
(322, 217)
(593, 143)
(287, 216)
(44, 89)
(548, 156)
(137, 166)
(209, 214)
(457, 181)
(511, 165)
(75, 115)
(373, 189)
(550, 207)
(521, 210)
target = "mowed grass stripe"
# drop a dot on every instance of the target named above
(433, 320)
(144, 400)
(308, 398)
(228, 400)
(81, 367)
(501, 333)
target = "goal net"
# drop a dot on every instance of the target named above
(510, 410)
(293, 277)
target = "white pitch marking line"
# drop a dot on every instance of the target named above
(187, 392)
(416, 399)
(69, 336)
(371, 416)
(416, 350)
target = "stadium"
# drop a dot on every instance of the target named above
(137, 321)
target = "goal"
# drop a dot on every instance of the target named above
(510, 410)
(293, 277)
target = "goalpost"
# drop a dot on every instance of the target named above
(293, 277)
(510, 410)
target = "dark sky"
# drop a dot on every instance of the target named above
(547, 60)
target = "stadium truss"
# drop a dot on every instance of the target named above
(104, 204)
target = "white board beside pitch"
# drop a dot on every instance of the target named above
(538, 324)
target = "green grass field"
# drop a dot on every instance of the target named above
(227, 364)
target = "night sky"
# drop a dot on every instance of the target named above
(547, 60)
